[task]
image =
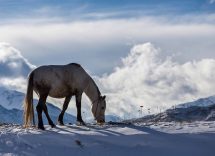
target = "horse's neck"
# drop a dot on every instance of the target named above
(92, 91)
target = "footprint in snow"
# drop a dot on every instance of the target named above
(79, 143)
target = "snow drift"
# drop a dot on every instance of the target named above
(127, 140)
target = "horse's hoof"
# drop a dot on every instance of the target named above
(60, 123)
(80, 123)
(100, 123)
(41, 127)
(53, 125)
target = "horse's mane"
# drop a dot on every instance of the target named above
(78, 65)
(75, 64)
(97, 88)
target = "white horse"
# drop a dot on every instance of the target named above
(62, 81)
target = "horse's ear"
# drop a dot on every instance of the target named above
(104, 97)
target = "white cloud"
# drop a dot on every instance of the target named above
(212, 1)
(14, 68)
(101, 41)
(12, 56)
(18, 83)
(146, 79)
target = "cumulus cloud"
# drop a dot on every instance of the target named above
(146, 79)
(14, 68)
(16, 83)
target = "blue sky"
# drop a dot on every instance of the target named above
(127, 8)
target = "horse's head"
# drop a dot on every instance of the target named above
(98, 109)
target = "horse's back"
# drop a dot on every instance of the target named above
(60, 78)
(78, 77)
(68, 69)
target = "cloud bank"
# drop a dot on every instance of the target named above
(93, 42)
(14, 68)
(146, 79)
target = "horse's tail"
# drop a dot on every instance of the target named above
(28, 103)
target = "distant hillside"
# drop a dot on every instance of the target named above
(200, 102)
(193, 113)
(199, 110)
(11, 110)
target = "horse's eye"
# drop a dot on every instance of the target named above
(103, 107)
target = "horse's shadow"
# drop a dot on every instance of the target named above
(108, 130)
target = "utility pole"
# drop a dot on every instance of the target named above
(141, 108)
(139, 111)
(149, 111)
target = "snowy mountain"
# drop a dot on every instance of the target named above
(11, 99)
(11, 115)
(200, 102)
(199, 110)
(11, 108)
(190, 114)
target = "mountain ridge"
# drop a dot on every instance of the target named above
(11, 110)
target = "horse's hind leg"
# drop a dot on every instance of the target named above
(40, 105)
(47, 116)
(65, 106)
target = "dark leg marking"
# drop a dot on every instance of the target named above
(78, 105)
(65, 106)
(40, 105)
(47, 116)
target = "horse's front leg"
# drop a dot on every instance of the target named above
(78, 105)
(65, 106)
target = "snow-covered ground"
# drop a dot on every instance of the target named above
(140, 139)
